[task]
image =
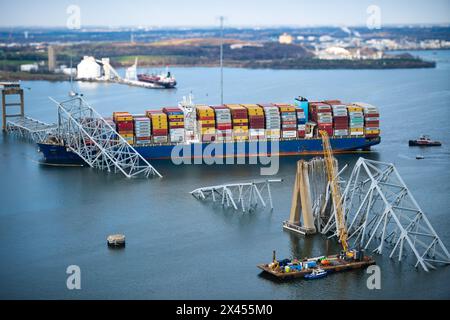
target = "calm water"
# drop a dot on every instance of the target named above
(178, 247)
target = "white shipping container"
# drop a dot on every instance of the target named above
(289, 134)
(160, 139)
(342, 132)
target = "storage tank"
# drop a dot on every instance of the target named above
(88, 68)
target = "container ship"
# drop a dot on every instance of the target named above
(163, 80)
(240, 130)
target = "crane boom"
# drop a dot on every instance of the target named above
(335, 190)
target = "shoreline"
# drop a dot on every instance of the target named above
(382, 64)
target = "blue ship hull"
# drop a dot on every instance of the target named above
(61, 154)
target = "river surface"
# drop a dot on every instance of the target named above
(181, 248)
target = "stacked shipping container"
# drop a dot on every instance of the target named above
(356, 120)
(255, 121)
(124, 125)
(371, 119)
(249, 121)
(288, 117)
(322, 115)
(142, 130)
(273, 121)
(239, 117)
(206, 123)
(175, 117)
(159, 125)
(340, 119)
(224, 126)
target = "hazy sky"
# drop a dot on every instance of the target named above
(237, 12)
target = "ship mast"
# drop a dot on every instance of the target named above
(221, 18)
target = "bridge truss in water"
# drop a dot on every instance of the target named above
(86, 133)
(380, 211)
(246, 195)
(29, 128)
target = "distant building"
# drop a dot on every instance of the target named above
(285, 38)
(334, 53)
(88, 68)
(243, 45)
(29, 67)
(51, 58)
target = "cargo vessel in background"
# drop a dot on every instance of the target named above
(163, 80)
(239, 130)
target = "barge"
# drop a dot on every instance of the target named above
(336, 264)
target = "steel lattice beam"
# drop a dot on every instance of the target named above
(381, 211)
(87, 134)
(248, 194)
(29, 128)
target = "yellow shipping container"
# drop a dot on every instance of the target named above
(356, 130)
(287, 109)
(240, 121)
(158, 123)
(372, 131)
(204, 130)
(206, 121)
(127, 135)
(180, 123)
(353, 108)
(234, 106)
(273, 131)
(176, 116)
(240, 129)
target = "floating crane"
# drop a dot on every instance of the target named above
(332, 174)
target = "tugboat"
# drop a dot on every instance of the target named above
(316, 274)
(164, 80)
(424, 141)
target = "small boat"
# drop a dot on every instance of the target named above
(420, 157)
(316, 274)
(424, 141)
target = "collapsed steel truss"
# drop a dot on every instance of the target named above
(29, 128)
(88, 135)
(248, 194)
(380, 210)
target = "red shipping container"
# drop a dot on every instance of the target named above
(372, 123)
(332, 102)
(125, 125)
(301, 133)
(160, 132)
(142, 138)
(218, 107)
(171, 109)
(224, 126)
(206, 125)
